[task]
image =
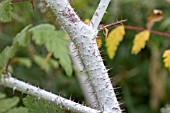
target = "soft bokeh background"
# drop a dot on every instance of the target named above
(144, 82)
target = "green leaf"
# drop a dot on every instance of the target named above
(42, 33)
(36, 105)
(6, 54)
(5, 11)
(23, 38)
(18, 110)
(23, 61)
(7, 103)
(54, 41)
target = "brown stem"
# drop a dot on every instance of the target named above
(101, 27)
(6, 67)
(115, 24)
(152, 31)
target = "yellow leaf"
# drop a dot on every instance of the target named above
(166, 53)
(99, 42)
(166, 56)
(140, 41)
(86, 21)
(113, 40)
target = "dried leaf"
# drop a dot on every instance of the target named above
(156, 16)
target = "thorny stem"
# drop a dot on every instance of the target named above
(40, 93)
(83, 37)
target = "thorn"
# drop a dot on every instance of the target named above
(109, 69)
(123, 110)
(121, 103)
(76, 56)
(117, 94)
(14, 88)
(117, 88)
(119, 97)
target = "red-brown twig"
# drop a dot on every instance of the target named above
(6, 68)
(152, 31)
(115, 24)
(112, 24)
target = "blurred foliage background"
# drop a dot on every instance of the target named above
(144, 82)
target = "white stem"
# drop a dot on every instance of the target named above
(40, 93)
(86, 87)
(83, 37)
(99, 13)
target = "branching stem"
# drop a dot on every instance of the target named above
(40, 93)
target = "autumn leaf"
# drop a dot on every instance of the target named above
(140, 41)
(99, 42)
(113, 40)
(156, 16)
(166, 56)
(86, 21)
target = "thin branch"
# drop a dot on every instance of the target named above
(112, 24)
(7, 66)
(98, 15)
(152, 31)
(40, 93)
(138, 29)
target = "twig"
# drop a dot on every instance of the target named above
(152, 31)
(140, 29)
(112, 24)
(6, 68)
(40, 93)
